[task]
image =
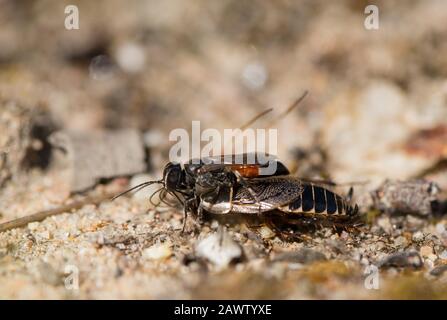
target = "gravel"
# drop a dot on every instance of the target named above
(361, 124)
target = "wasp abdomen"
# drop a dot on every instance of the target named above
(316, 199)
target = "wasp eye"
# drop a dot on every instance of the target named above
(172, 175)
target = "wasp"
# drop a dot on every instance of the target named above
(220, 186)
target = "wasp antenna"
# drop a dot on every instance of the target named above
(289, 109)
(152, 196)
(178, 198)
(139, 187)
(163, 195)
(253, 120)
(293, 105)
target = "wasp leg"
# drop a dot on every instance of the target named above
(348, 227)
(200, 214)
(214, 193)
(241, 180)
(189, 206)
(254, 228)
(185, 216)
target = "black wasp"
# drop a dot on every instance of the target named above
(217, 185)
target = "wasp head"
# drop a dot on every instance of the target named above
(173, 176)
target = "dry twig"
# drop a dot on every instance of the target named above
(39, 216)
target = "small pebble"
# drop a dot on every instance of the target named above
(440, 228)
(385, 224)
(33, 225)
(266, 232)
(277, 270)
(219, 248)
(429, 264)
(439, 270)
(364, 261)
(214, 224)
(401, 241)
(254, 76)
(412, 196)
(131, 57)
(418, 236)
(44, 235)
(158, 251)
(101, 68)
(426, 251)
(403, 260)
(121, 246)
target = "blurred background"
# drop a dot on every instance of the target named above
(376, 108)
(157, 65)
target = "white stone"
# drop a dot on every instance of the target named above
(158, 251)
(131, 57)
(418, 236)
(33, 225)
(254, 75)
(266, 232)
(219, 248)
(440, 228)
(385, 224)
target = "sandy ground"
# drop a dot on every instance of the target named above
(123, 250)
(376, 110)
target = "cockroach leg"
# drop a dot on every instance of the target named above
(284, 235)
(241, 180)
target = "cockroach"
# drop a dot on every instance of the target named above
(216, 186)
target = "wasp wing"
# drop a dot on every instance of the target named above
(258, 158)
(249, 165)
(326, 184)
(266, 194)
